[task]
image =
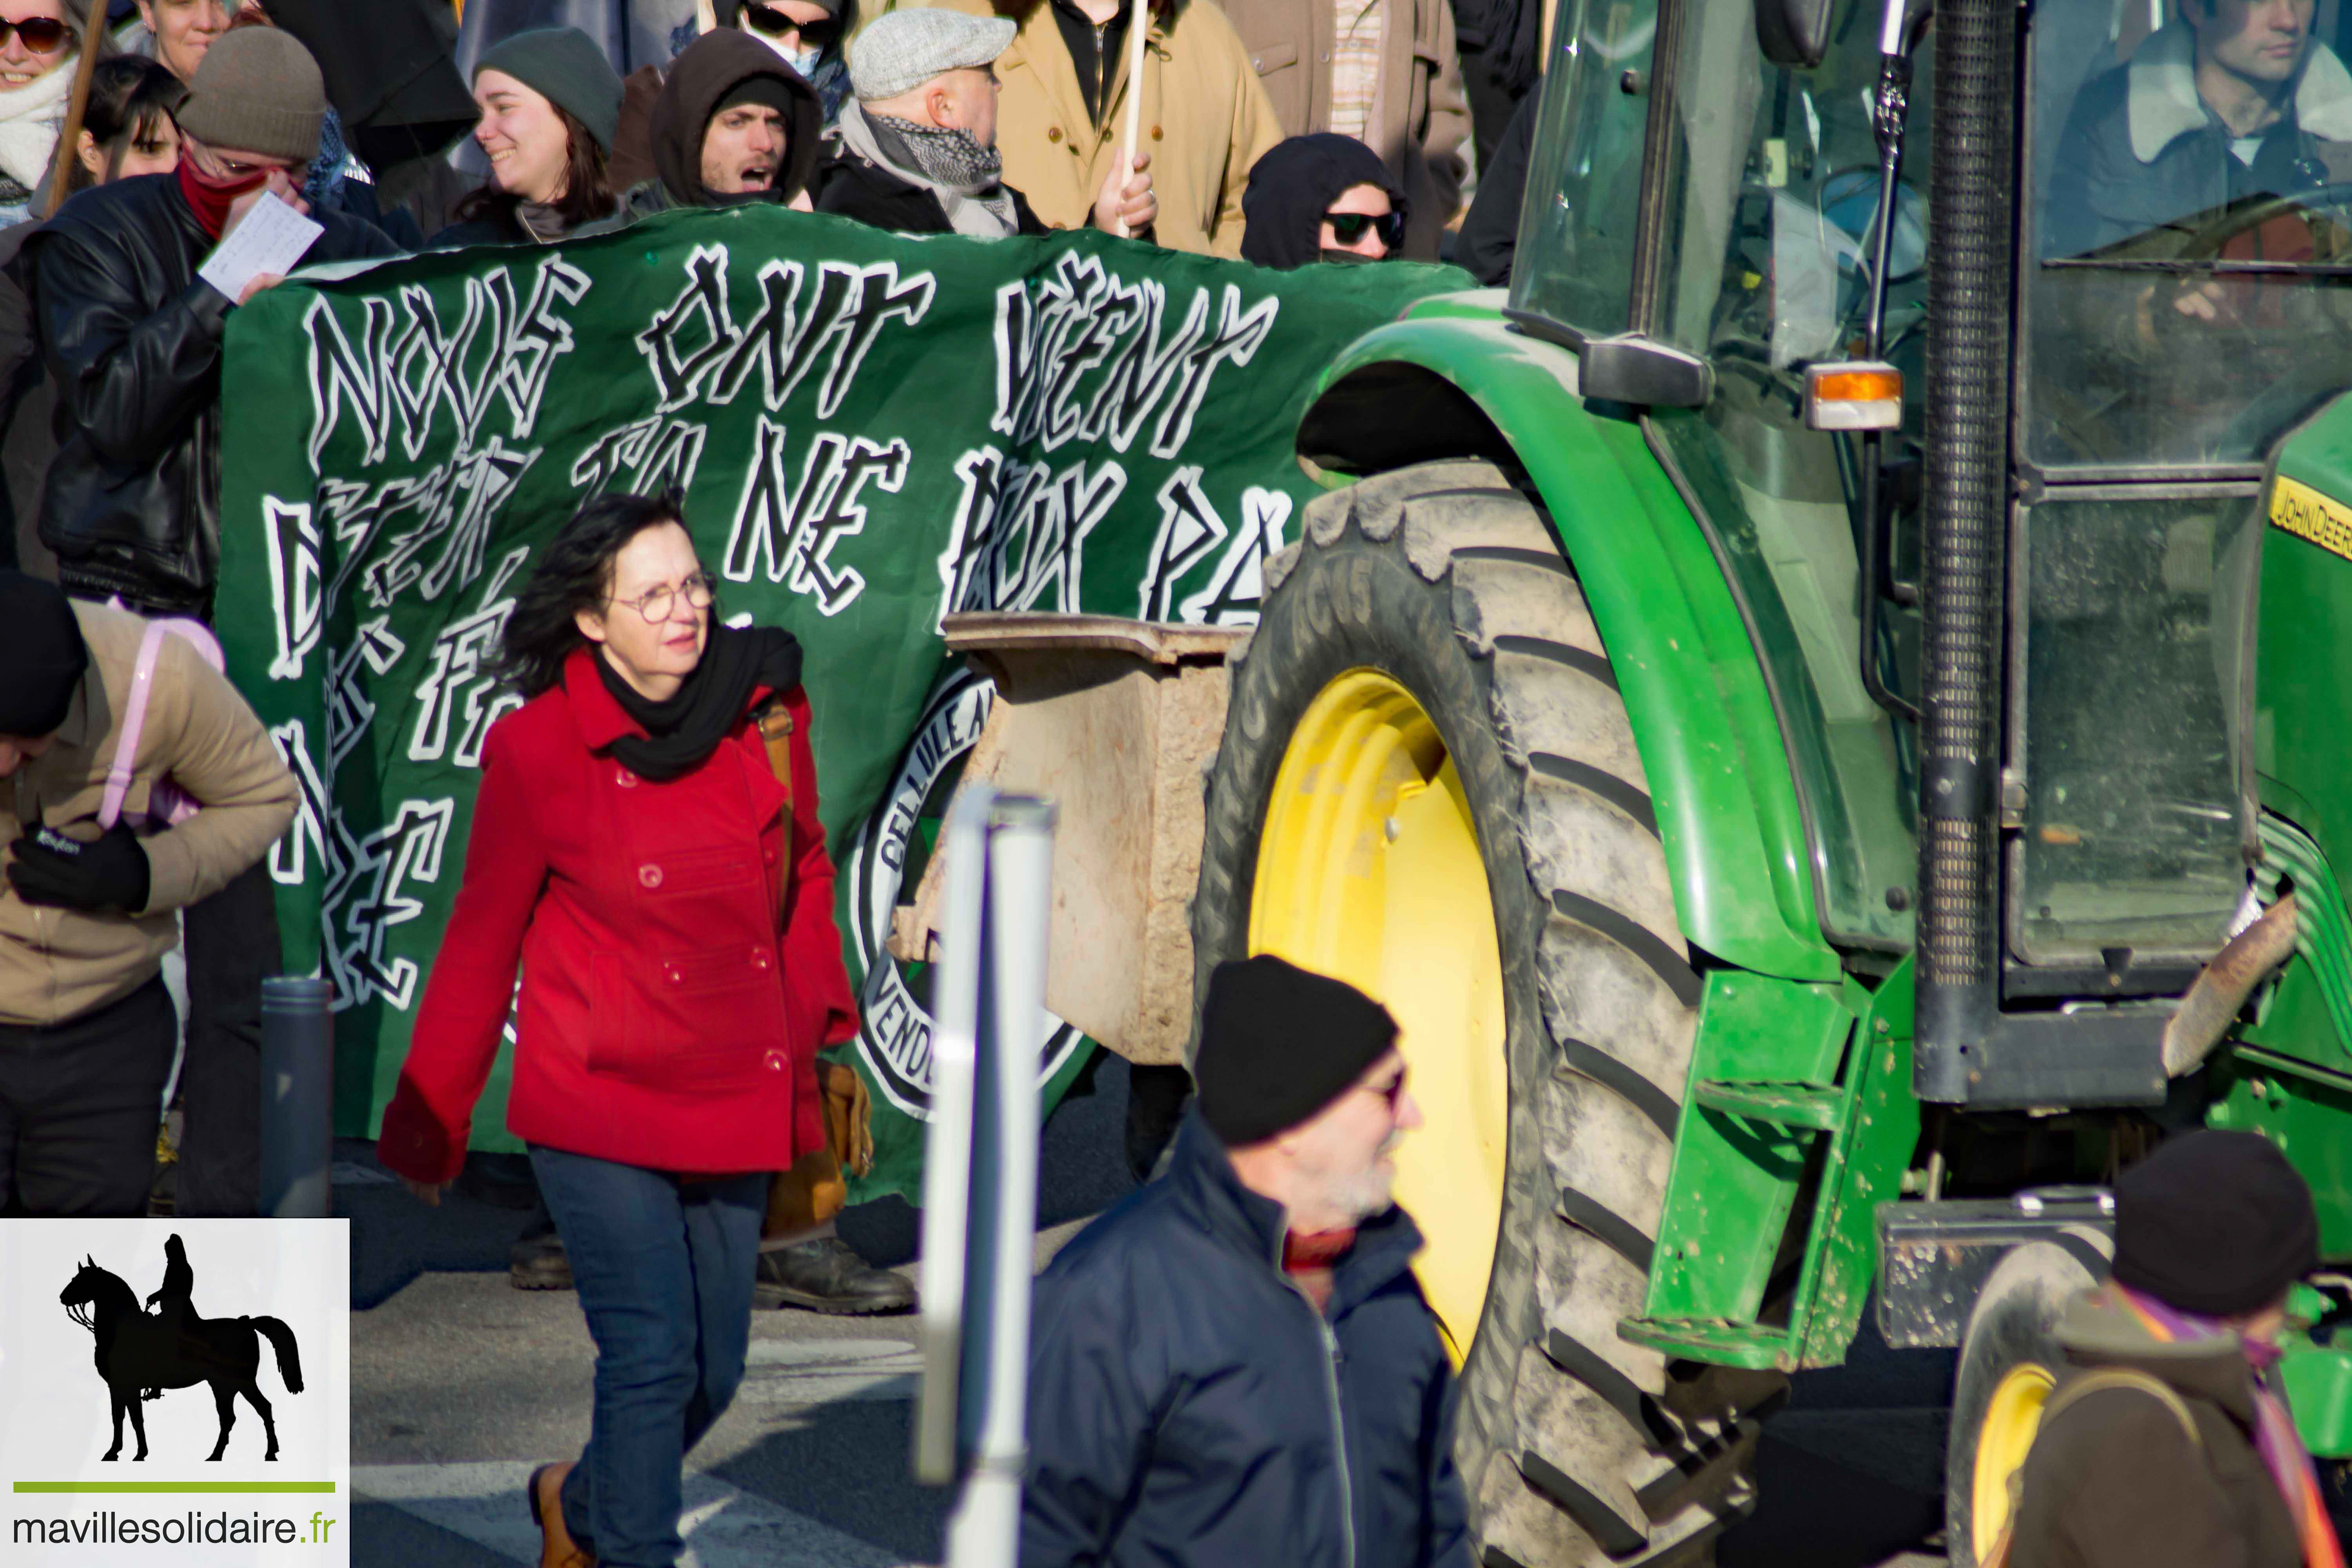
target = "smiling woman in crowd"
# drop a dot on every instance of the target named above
(549, 103)
(180, 31)
(638, 852)
(36, 56)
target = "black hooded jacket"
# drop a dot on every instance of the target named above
(1188, 1405)
(1294, 184)
(702, 77)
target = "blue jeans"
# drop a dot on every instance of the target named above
(664, 1270)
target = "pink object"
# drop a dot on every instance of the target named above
(166, 803)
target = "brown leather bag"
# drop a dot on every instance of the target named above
(814, 1190)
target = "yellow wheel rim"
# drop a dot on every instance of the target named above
(2010, 1423)
(1369, 869)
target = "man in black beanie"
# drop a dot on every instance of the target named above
(734, 124)
(1235, 1364)
(89, 906)
(2168, 1445)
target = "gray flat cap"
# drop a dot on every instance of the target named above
(902, 50)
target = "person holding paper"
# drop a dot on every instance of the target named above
(132, 333)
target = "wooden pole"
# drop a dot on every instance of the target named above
(93, 34)
(1138, 20)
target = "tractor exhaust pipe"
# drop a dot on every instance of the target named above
(2223, 986)
(1972, 249)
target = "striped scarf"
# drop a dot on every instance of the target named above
(2275, 1438)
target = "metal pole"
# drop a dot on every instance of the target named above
(297, 1096)
(985, 1530)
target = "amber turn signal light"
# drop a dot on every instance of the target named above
(1853, 394)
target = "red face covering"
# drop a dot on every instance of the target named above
(209, 199)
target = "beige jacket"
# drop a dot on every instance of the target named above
(57, 965)
(1206, 122)
(1419, 119)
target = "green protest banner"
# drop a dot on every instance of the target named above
(872, 431)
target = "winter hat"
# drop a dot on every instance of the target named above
(2215, 1224)
(564, 66)
(257, 90)
(42, 650)
(1279, 1043)
(899, 52)
(768, 90)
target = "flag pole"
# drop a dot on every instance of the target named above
(93, 37)
(1138, 19)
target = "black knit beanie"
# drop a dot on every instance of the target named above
(1278, 1044)
(2216, 1224)
(42, 650)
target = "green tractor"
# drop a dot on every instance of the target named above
(1825, 711)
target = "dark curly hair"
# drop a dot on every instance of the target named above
(575, 574)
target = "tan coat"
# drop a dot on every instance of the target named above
(57, 965)
(1206, 122)
(1419, 119)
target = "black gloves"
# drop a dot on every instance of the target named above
(109, 874)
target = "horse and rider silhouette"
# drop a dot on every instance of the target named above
(141, 1354)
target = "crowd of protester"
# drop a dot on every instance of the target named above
(134, 139)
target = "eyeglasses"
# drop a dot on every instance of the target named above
(771, 20)
(1348, 228)
(41, 33)
(655, 603)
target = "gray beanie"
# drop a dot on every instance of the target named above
(257, 90)
(902, 50)
(564, 66)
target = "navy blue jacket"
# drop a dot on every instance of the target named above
(1187, 1401)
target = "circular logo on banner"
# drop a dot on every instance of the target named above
(884, 866)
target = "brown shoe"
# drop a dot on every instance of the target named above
(544, 1491)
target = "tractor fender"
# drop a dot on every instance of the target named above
(1452, 381)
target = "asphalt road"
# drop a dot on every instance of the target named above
(461, 1384)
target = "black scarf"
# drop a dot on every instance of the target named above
(684, 728)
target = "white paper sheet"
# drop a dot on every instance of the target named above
(270, 238)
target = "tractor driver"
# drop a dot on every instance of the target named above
(2234, 100)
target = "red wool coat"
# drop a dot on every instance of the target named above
(663, 1020)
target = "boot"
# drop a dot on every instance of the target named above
(825, 1276)
(545, 1493)
(536, 1260)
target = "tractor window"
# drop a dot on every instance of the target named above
(2188, 291)
(1576, 231)
(1771, 202)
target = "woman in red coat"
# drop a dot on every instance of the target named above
(679, 978)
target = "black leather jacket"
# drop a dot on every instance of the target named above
(133, 339)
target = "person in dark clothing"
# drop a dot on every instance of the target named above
(549, 103)
(1490, 234)
(399, 104)
(734, 124)
(2235, 100)
(1235, 1364)
(806, 35)
(2168, 1445)
(133, 340)
(127, 131)
(1501, 46)
(1324, 197)
(918, 149)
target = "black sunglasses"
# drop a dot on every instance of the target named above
(41, 33)
(814, 35)
(1348, 228)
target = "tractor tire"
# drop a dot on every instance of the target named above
(2009, 1357)
(1576, 1447)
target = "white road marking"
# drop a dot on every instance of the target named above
(724, 1526)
